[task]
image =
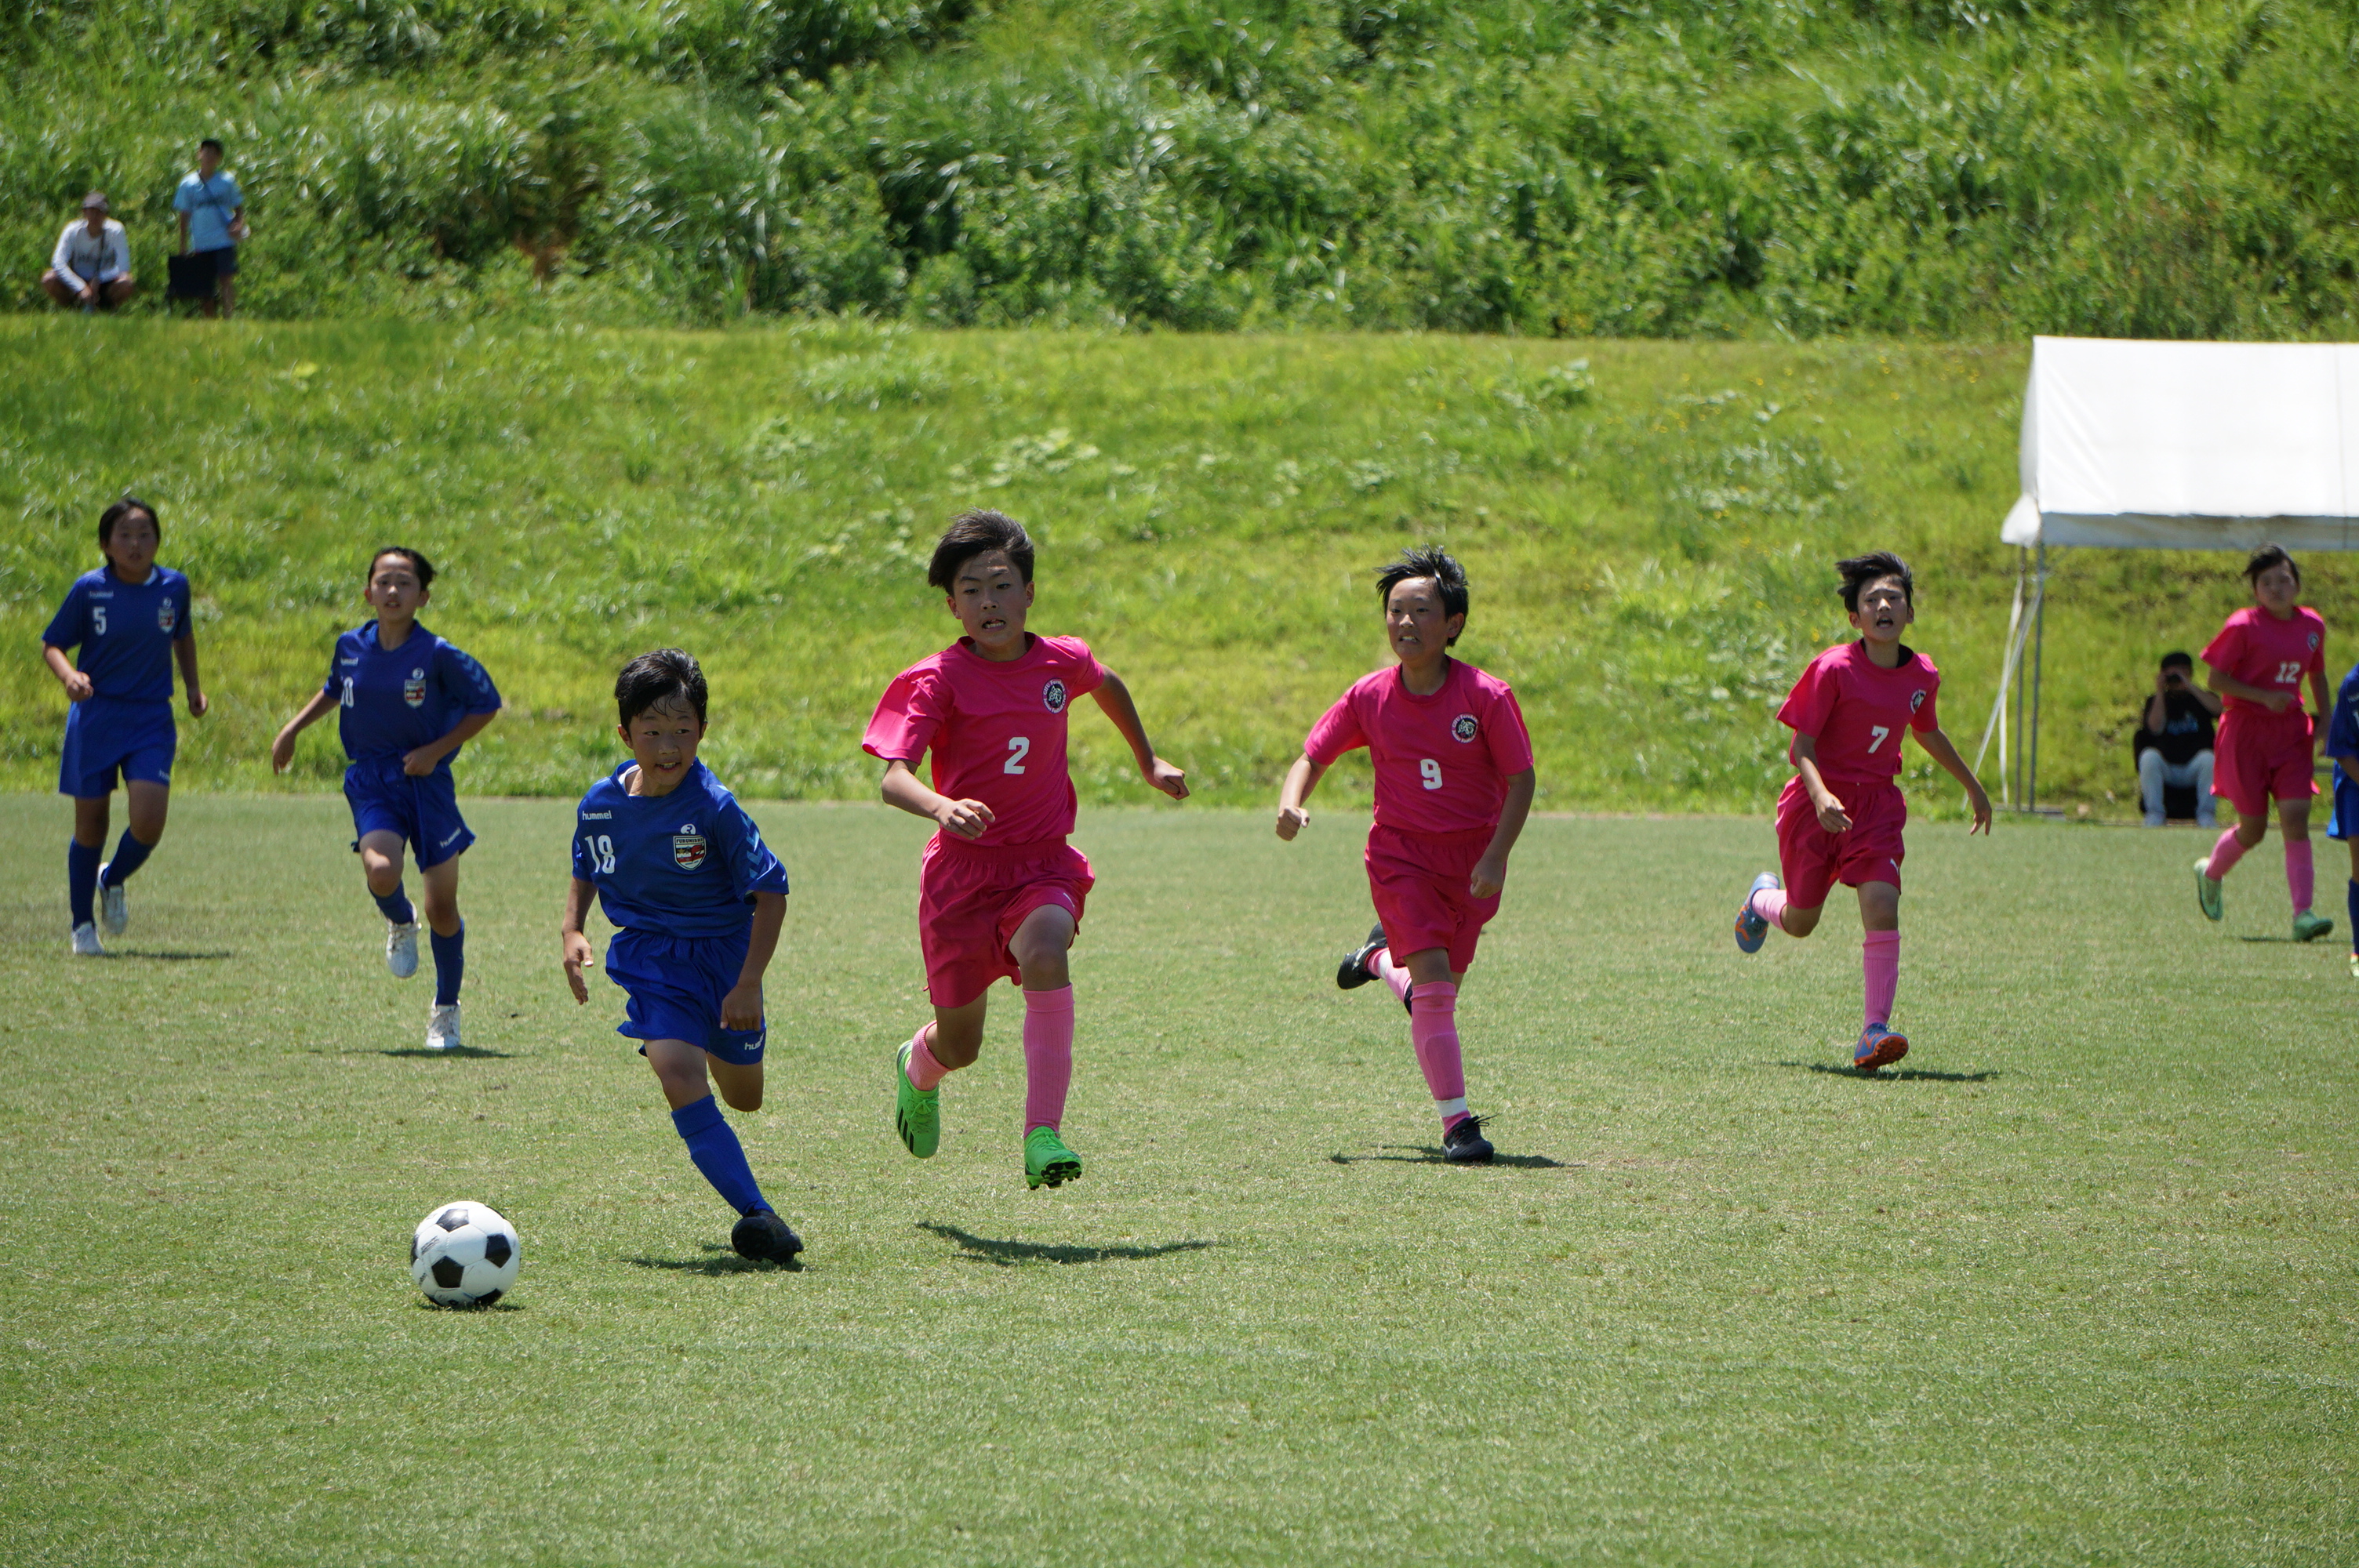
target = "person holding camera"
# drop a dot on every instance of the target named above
(2174, 741)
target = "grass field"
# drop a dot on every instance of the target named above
(2075, 1286)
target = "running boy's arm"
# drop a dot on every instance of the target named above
(420, 763)
(184, 649)
(2227, 684)
(1300, 780)
(2317, 703)
(77, 683)
(1114, 697)
(576, 945)
(282, 750)
(1490, 870)
(967, 818)
(742, 1007)
(1937, 745)
(1831, 814)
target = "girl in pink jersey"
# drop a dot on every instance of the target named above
(1000, 892)
(1453, 784)
(2258, 662)
(1840, 817)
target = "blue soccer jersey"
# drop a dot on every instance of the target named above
(683, 864)
(397, 699)
(126, 631)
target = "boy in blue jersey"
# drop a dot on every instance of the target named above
(2343, 745)
(408, 700)
(697, 900)
(130, 621)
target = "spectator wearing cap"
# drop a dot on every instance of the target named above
(212, 221)
(91, 266)
(2174, 741)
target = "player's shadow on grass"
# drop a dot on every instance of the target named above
(459, 1051)
(717, 1260)
(462, 1311)
(1896, 1074)
(1015, 1254)
(1432, 1155)
(170, 955)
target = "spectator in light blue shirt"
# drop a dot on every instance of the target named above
(212, 221)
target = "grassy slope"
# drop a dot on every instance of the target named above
(2074, 1288)
(1650, 566)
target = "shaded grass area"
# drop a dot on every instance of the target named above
(1648, 528)
(2075, 1286)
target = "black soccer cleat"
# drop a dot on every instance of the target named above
(762, 1235)
(1465, 1145)
(1353, 971)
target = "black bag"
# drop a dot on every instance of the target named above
(196, 275)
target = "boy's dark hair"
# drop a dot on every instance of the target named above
(2178, 661)
(418, 563)
(1860, 570)
(651, 680)
(212, 142)
(972, 533)
(2269, 555)
(1426, 560)
(118, 512)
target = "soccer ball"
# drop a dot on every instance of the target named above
(464, 1254)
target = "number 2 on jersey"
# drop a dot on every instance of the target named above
(1018, 748)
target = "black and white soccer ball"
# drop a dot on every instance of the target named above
(464, 1254)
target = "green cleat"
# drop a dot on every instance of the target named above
(917, 1113)
(1046, 1161)
(2207, 890)
(2308, 928)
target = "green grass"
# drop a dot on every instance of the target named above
(2075, 1286)
(1650, 559)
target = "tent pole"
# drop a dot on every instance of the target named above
(2038, 664)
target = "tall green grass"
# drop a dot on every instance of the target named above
(1648, 528)
(1566, 168)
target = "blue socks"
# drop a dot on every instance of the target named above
(394, 906)
(130, 854)
(450, 964)
(718, 1154)
(82, 878)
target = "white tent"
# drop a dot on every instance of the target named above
(2171, 446)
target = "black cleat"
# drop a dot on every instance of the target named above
(762, 1235)
(1465, 1145)
(1353, 971)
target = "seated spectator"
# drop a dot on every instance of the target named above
(2174, 741)
(91, 266)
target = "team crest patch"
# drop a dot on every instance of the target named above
(1916, 699)
(688, 848)
(1052, 697)
(2314, 641)
(413, 690)
(167, 615)
(1466, 727)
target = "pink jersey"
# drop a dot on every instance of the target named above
(997, 732)
(1442, 762)
(2258, 649)
(1856, 711)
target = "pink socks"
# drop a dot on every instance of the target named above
(925, 1073)
(1433, 1032)
(1392, 974)
(1769, 904)
(1048, 1056)
(2225, 856)
(2300, 874)
(1879, 953)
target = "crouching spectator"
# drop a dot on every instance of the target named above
(91, 266)
(2174, 741)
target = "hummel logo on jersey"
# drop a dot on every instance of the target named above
(1052, 697)
(688, 848)
(1916, 699)
(167, 615)
(597, 816)
(413, 690)
(1466, 727)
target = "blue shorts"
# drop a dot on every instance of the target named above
(106, 737)
(676, 984)
(425, 812)
(2343, 822)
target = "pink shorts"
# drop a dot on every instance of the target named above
(1419, 882)
(2254, 764)
(970, 898)
(1813, 860)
